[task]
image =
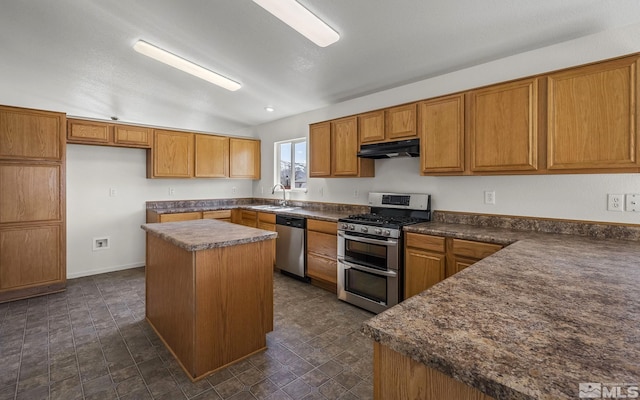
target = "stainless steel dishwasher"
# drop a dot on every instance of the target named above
(290, 245)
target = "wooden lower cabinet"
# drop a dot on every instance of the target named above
(424, 263)
(396, 376)
(322, 254)
(210, 307)
(188, 216)
(31, 261)
(431, 259)
(248, 218)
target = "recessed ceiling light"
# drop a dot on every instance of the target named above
(269, 109)
(302, 20)
(180, 63)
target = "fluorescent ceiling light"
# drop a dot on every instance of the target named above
(302, 20)
(164, 56)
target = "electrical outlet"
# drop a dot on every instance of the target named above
(632, 202)
(490, 197)
(172, 191)
(261, 189)
(100, 243)
(615, 202)
(113, 192)
(321, 191)
(234, 190)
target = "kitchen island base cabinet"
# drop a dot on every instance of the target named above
(396, 376)
(210, 307)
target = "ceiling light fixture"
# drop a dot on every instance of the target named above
(302, 20)
(180, 63)
(269, 109)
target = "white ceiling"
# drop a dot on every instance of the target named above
(76, 56)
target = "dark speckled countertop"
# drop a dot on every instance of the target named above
(202, 234)
(532, 321)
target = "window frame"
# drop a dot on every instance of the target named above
(277, 157)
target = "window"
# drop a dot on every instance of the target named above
(291, 164)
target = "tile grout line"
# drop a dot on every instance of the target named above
(75, 349)
(24, 334)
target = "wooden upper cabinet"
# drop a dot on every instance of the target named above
(211, 156)
(401, 122)
(244, 156)
(320, 149)
(344, 137)
(132, 136)
(371, 126)
(592, 116)
(441, 132)
(31, 134)
(172, 154)
(503, 127)
(87, 131)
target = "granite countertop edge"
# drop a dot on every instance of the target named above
(197, 235)
(392, 328)
(329, 216)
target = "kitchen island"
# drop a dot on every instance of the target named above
(209, 291)
(535, 320)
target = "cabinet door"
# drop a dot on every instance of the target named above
(503, 127)
(592, 116)
(458, 264)
(423, 269)
(30, 256)
(320, 150)
(132, 136)
(212, 156)
(244, 158)
(187, 216)
(249, 218)
(87, 132)
(344, 137)
(31, 134)
(30, 193)
(441, 131)
(401, 122)
(371, 126)
(172, 154)
(322, 267)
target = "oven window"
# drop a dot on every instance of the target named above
(365, 284)
(371, 255)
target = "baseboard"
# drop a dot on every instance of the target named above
(104, 270)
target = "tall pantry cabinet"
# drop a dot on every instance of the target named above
(32, 203)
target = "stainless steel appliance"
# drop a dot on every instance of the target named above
(370, 249)
(290, 246)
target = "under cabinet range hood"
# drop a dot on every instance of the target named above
(401, 148)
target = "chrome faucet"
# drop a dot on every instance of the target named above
(283, 203)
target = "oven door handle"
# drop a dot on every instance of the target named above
(388, 243)
(374, 271)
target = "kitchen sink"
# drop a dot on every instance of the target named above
(273, 208)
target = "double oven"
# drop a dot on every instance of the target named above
(370, 249)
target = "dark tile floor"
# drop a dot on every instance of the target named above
(92, 342)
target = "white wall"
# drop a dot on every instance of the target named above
(91, 212)
(581, 197)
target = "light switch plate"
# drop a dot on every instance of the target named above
(632, 202)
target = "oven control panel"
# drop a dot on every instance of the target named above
(347, 227)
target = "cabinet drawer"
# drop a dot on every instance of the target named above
(217, 214)
(324, 268)
(322, 226)
(188, 216)
(267, 218)
(322, 243)
(425, 242)
(471, 249)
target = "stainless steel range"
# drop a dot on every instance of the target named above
(370, 249)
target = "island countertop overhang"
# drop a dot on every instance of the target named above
(206, 234)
